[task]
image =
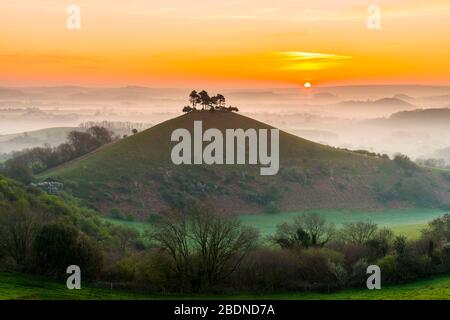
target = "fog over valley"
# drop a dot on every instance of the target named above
(407, 119)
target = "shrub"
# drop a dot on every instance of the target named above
(58, 246)
(270, 194)
(406, 267)
(405, 163)
(154, 272)
(268, 270)
(321, 269)
(358, 273)
(271, 207)
(294, 174)
(122, 270)
(446, 256)
(116, 213)
(153, 218)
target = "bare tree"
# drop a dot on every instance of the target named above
(171, 234)
(206, 247)
(221, 242)
(358, 232)
(18, 228)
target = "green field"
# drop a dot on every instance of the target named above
(402, 221)
(15, 286)
(406, 222)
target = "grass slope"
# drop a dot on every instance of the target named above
(16, 286)
(136, 174)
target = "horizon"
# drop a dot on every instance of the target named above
(190, 87)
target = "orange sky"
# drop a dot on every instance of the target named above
(228, 43)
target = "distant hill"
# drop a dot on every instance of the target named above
(438, 114)
(137, 175)
(325, 97)
(380, 103)
(378, 91)
(37, 138)
(404, 97)
(417, 118)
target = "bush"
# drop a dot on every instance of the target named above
(58, 246)
(405, 163)
(122, 270)
(445, 256)
(294, 174)
(271, 208)
(358, 273)
(266, 270)
(154, 272)
(415, 190)
(322, 269)
(269, 195)
(153, 218)
(402, 268)
(116, 213)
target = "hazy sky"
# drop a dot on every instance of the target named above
(223, 43)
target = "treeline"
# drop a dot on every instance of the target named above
(203, 251)
(23, 165)
(44, 234)
(119, 127)
(433, 163)
(213, 253)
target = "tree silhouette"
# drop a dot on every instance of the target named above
(220, 100)
(205, 99)
(213, 103)
(187, 109)
(217, 102)
(194, 98)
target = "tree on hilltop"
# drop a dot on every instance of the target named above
(205, 99)
(211, 103)
(194, 98)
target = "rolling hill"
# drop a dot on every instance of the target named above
(37, 138)
(384, 103)
(136, 175)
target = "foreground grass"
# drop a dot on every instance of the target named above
(15, 286)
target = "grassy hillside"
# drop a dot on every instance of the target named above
(14, 195)
(136, 175)
(16, 286)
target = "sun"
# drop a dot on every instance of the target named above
(307, 85)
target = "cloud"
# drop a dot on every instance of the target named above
(225, 17)
(300, 60)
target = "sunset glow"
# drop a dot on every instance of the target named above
(223, 44)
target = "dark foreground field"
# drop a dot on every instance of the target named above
(15, 286)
